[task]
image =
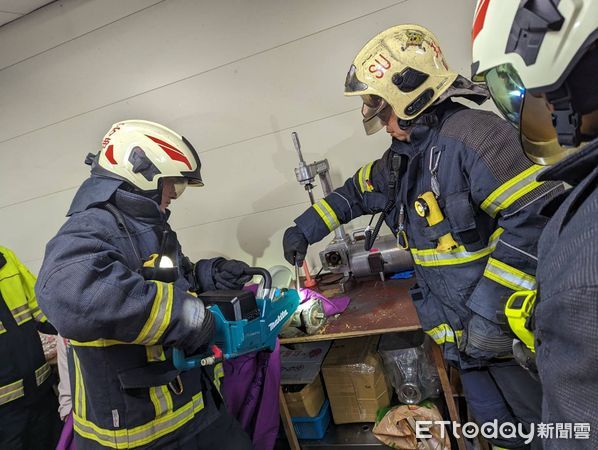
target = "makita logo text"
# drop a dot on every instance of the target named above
(279, 319)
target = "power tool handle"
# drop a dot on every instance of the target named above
(262, 273)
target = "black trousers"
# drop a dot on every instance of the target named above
(505, 392)
(32, 427)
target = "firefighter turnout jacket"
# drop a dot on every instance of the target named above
(126, 391)
(25, 377)
(489, 196)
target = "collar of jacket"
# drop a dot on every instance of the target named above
(422, 133)
(575, 168)
(139, 207)
(97, 190)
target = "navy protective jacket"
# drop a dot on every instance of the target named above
(122, 327)
(490, 201)
(566, 315)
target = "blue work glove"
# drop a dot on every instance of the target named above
(294, 244)
(484, 339)
(230, 274)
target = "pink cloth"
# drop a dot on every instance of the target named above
(331, 306)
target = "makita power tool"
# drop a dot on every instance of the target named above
(244, 323)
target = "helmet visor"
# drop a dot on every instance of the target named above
(352, 83)
(529, 113)
(375, 112)
(179, 185)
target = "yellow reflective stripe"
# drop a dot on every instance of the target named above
(11, 392)
(159, 395)
(218, 375)
(364, 176)
(42, 374)
(38, 315)
(155, 353)
(143, 434)
(98, 343)
(327, 214)
(2, 329)
(509, 192)
(443, 333)
(509, 276)
(23, 317)
(21, 314)
(433, 258)
(80, 400)
(159, 317)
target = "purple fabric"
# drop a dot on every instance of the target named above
(250, 388)
(331, 306)
(67, 437)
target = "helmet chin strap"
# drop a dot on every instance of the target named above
(429, 118)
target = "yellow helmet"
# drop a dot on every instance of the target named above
(402, 68)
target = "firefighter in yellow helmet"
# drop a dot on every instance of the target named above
(468, 168)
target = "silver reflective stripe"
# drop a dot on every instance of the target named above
(141, 435)
(42, 374)
(443, 333)
(158, 397)
(161, 314)
(21, 314)
(509, 276)
(38, 315)
(509, 192)
(327, 214)
(433, 257)
(11, 392)
(19, 309)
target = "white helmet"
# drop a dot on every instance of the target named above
(142, 152)
(525, 48)
(402, 67)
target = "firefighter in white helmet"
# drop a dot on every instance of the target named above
(540, 62)
(468, 167)
(115, 282)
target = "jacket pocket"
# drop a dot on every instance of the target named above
(462, 218)
(374, 202)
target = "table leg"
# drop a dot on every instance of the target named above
(447, 389)
(289, 430)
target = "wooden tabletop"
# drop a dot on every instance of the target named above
(376, 307)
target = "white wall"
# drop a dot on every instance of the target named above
(235, 77)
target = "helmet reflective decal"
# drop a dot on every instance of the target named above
(110, 154)
(480, 17)
(174, 153)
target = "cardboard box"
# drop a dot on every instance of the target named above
(355, 380)
(301, 363)
(306, 402)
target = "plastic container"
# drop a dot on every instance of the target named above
(313, 427)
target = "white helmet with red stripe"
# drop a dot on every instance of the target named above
(523, 49)
(142, 152)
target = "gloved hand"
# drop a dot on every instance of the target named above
(484, 339)
(229, 274)
(294, 244)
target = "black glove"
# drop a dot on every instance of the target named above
(294, 245)
(484, 339)
(230, 274)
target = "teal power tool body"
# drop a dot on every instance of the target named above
(244, 323)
